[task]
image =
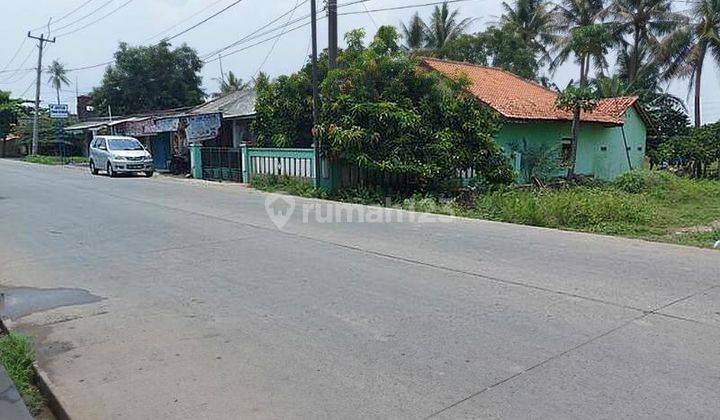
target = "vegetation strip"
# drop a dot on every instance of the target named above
(650, 205)
(17, 356)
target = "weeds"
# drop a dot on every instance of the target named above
(55, 160)
(17, 356)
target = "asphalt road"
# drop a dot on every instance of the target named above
(208, 310)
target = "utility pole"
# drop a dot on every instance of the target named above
(332, 33)
(313, 30)
(41, 41)
(222, 73)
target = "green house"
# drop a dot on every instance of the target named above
(612, 138)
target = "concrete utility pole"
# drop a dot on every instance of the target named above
(313, 31)
(41, 41)
(332, 33)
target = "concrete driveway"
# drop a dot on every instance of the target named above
(186, 301)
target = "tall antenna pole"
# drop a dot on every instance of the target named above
(41, 41)
(332, 33)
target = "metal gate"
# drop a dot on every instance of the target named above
(221, 163)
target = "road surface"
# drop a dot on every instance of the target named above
(193, 304)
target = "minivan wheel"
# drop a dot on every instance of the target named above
(149, 174)
(110, 170)
(93, 169)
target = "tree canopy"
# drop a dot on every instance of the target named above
(150, 78)
(382, 113)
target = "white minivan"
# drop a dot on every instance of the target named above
(119, 154)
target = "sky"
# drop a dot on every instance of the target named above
(81, 43)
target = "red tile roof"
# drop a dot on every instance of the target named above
(517, 98)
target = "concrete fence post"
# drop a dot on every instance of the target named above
(196, 169)
(246, 163)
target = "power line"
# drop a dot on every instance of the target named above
(183, 20)
(256, 31)
(63, 17)
(270, 51)
(22, 44)
(102, 6)
(96, 20)
(203, 21)
(408, 6)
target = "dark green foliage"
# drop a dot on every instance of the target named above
(10, 111)
(694, 152)
(573, 97)
(538, 160)
(387, 115)
(499, 47)
(150, 78)
(380, 111)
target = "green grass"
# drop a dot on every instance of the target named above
(17, 355)
(651, 205)
(55, 160)
(287, 185)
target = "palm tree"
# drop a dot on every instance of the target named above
(533, 21)
(230, 84)
(58, 77)
(573, 14)
(685, 49)
(414, 33)
(645, 21)
(444, 26)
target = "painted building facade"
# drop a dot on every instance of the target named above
(612, 138)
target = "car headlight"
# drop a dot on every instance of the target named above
(116, 157)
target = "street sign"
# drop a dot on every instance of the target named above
(59, 111)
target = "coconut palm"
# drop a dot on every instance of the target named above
(533, 21)
(444, 26)
(414, 33)
(686, 48)
(573, 14)
(58, 77)
(644, 21)
(230, 84)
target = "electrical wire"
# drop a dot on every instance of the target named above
(203, 21)
(272, 48)
(96, 20)
(22, 44)
(183, 20)
(63, 17)
(102, 6)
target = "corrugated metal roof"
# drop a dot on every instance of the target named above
(233, 105)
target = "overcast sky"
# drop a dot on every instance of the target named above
(140, 20)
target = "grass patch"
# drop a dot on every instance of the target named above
(286, 185)
(55, 160)
(17, 356)
(651, 205)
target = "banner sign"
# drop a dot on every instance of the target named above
(166, 124)
(58, 111)
(139, 128)
(201, 127)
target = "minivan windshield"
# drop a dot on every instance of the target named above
(124, 144)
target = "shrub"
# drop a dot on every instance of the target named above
(640, 181)
(576, 208)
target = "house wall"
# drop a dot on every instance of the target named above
(601, 149)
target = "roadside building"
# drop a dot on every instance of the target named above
(612, 138)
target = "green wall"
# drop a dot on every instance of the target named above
(601, 150)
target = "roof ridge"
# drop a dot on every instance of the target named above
(508, 72)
